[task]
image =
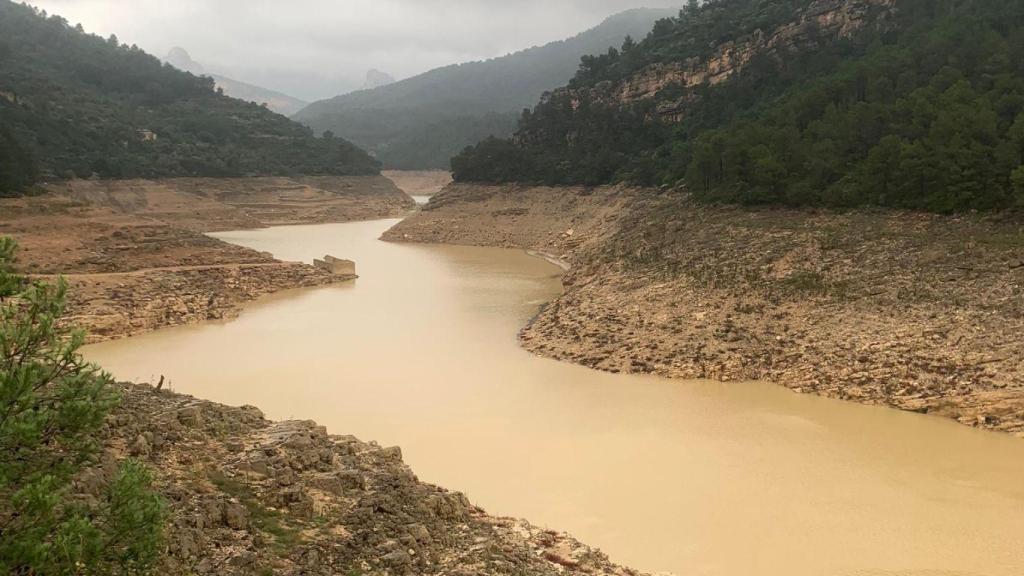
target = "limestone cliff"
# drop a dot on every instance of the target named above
(822, 20)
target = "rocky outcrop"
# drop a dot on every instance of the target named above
(250, 496)
(822, 20)
(919, 312)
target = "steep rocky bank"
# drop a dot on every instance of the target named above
(250, 496)
(136, 257)
(919, 312)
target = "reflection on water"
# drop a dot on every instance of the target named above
(697, 478)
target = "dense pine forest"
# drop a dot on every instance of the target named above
(922, 108)
(73, 105)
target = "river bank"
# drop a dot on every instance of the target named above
(918, 312)
(249, 496)
(662, 475)
(137, 259)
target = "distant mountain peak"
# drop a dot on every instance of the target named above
(276, 101)
(375, 79)
(182, 60)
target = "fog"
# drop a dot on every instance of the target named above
(315, 49)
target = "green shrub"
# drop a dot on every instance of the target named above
(52, 406)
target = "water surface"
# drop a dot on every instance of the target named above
(696, 478)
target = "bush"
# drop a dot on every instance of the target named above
(52, 406)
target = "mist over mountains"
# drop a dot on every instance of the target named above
(275, 101)
(421, 122)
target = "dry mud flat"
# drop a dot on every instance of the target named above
(136, 257)
(250, 496)
(919, 312)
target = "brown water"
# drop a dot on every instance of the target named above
(697, 478)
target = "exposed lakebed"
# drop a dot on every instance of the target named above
(691, 477)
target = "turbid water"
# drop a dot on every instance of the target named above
(697, 478)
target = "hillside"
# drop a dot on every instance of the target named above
(903, 103)
(73, 105)
(422, 121)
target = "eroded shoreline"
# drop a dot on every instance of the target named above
(250, 496)
(247, 495)
(136, 255)
(919, 312)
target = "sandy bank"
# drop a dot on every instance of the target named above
(919, 312)
(136, 257)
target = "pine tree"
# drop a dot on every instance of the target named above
(52, 406)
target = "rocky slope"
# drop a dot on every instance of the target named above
(250, 496)
(919, 312)
(136, 257)
(831, 19)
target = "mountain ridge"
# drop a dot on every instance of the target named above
(422, 121)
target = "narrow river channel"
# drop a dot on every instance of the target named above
(695, 478)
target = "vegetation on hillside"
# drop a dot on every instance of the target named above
(52, 407)
(423, 121)
(73, 105)
(925, 111)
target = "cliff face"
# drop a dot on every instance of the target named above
(822, 20)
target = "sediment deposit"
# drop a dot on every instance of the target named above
(915, 311)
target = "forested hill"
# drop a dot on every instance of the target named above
(422, 121)
(73, 105)
(904, 103)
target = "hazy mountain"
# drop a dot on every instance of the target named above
(276, 101)
(73, 104)
(424, 120)
(182, 60)
(375, 79)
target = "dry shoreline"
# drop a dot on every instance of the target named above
(918, 312)
(136, 257)
(246, 495)
(250, 496)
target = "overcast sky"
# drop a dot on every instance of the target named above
(316, 48)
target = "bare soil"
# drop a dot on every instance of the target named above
(916, 311)
(136, 257)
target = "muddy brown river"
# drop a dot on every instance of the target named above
(689, 477)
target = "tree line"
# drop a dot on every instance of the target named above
(74, 105)
(922, 110)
